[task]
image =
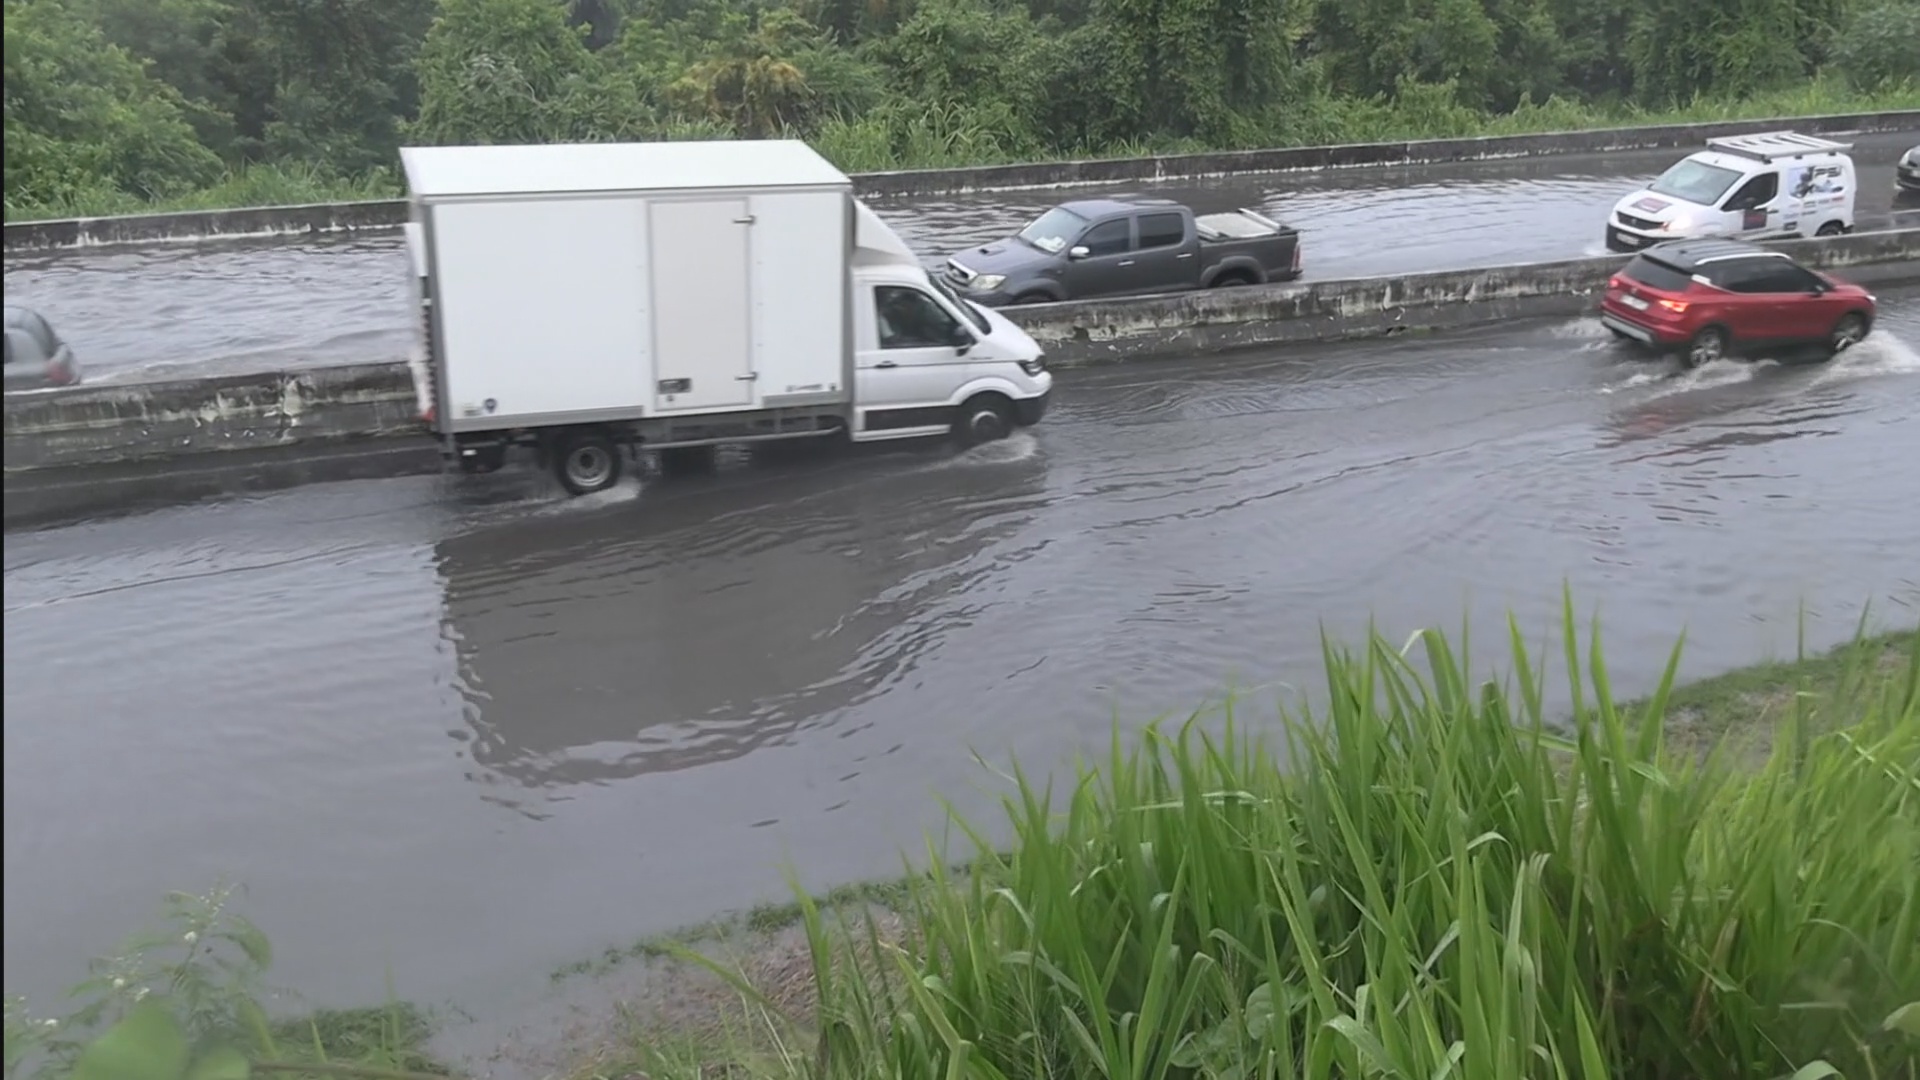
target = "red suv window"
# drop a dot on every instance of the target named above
(1657, 275)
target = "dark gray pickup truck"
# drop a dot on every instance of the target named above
(1130, 245)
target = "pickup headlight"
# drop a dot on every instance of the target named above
(987, 282)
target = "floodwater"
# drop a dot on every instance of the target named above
(464, 730)
(236, 306)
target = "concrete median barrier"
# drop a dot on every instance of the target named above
(387, 215)
(1187, 324)
(71, 445)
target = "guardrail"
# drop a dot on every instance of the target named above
(383, 215)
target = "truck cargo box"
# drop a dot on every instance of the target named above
(577, 283)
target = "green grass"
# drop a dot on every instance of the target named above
(389, 1037)
(280, 184)
(934, 139)
(1435, 879)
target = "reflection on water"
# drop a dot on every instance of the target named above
(653, 639)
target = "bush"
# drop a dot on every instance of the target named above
(1881, 46)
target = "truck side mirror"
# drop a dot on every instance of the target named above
(1078, 251)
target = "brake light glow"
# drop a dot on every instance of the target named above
(1675, 306)
(1614, 282)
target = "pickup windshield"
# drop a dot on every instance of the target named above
(1695, 181)
(1051, 230)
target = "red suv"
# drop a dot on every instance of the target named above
(1706, 299)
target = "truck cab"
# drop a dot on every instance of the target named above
(1129, 245)
(922, 351)
(1771, 185)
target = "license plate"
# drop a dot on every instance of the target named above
(1634, 302)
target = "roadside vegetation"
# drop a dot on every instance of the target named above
(117, 106)
(1431, 876)
(1425, 879)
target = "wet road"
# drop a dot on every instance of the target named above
(255, 304)
(465, 730)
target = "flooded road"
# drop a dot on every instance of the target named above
(254, 304)
(465, 730)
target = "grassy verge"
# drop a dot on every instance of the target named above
(858, 145)
(1440, 883)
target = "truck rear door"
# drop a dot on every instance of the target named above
(1164, 260)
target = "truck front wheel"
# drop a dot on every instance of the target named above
(586, 461)
(983, 418)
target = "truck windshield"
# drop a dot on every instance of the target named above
(1051, 230)
(963, 306)
(1695, 181)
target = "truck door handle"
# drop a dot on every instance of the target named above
(748, 220)
(886, 363)
(1127, 262)
(1184, 255)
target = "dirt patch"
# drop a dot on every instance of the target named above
(596, 1026)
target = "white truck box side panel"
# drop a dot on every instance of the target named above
(702, 333)
(800, 242)
(544, 307)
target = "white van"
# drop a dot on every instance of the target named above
(1753, 187)
(593, 300)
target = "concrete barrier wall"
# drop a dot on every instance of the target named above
(316, 412)
(1186, 324)
(389, 214)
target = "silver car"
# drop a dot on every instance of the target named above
(36, 357)
(1906, 174)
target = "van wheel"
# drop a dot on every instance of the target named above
(984, 418)
(1847, 333)
(586, 462)
(1831, 228)
(1707, 346)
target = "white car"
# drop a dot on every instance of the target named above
(1750, 187)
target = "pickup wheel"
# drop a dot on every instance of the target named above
(1232, 279)
(586, 461)
(983, 418)
(1032, 298)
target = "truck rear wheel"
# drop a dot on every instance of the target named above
(586, 462)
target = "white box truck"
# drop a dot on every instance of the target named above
(592, 301)
(1754, 187)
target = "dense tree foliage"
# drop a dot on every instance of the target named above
(153, 97)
